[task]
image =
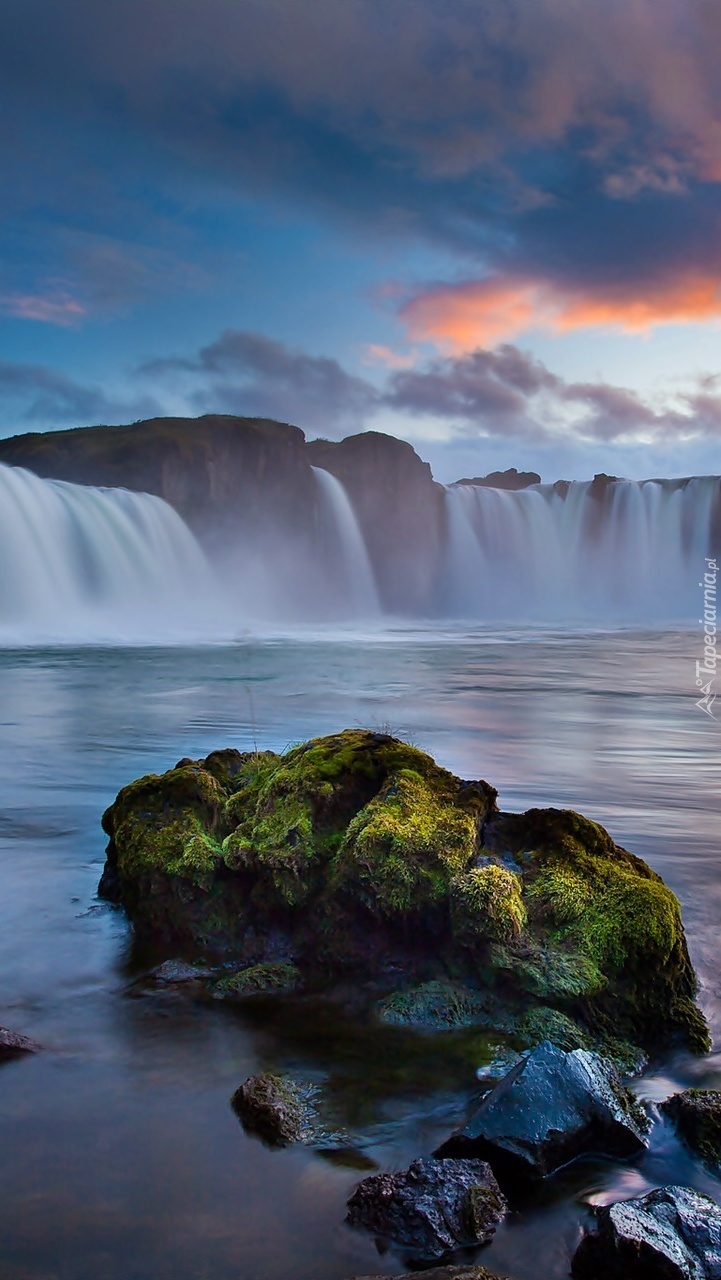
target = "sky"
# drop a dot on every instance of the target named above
(489, 227)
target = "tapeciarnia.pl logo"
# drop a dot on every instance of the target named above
(706, 670)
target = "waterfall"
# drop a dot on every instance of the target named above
(343, 548)
(632, 553)
(109, 565)
(86, 563)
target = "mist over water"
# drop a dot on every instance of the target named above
(82, 564)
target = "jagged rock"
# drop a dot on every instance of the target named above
(696, 1114)
(349, 852)
(432, 1207)
(276, 1108)
(442, 1273)
(672, 1233)
(551, 1107)
(12, 1043)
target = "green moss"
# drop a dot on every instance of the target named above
(548, 1024)
(435, 1006)
(259, 978)
(549, 972)
(696, 1114)
(486, 902)
(404, 848)
(606, 910)
(171, 823)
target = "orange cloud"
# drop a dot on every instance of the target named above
(60, 309)
(482, 313)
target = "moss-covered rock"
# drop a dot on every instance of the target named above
(259, 979)
(436, 1006)
(276, 1108)
(696, 1113)
(357, 853)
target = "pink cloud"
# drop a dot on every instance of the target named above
(481, 313)
(60, 309)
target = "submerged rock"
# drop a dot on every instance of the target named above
(276, 1108)
(351, 852)
(697, 1117)
(432, 1207)
(672, 1233)
(435, 1006)
(12, 1044)
(177, 972)
(551, 1107)
(259, 979)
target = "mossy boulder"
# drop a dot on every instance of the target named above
(358, 854)
(696, 1113)
(277, 1109)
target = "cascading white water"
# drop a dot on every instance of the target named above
(542, 555)
(105, 564)
(344, 550)
(86, 564)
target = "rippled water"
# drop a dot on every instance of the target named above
(121, 1157)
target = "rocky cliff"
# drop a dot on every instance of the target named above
(399, 508)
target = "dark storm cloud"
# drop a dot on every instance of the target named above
(571, 149)
(248, 373)
(32, 393)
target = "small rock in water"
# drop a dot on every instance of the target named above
(697, 1117)
(551, 1107)
(672, 1233)
(12, 1044)
(172, 971)
(278, 1109)
(432, 1207)
(259, 979)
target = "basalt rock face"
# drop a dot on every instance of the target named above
(220, 472)
(347, 854)
(400, 510)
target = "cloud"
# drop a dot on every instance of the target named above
(556, 146)
(33, 393)
(251, 374)
(59, 308)
(460, 317)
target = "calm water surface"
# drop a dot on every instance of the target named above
(121, 1158)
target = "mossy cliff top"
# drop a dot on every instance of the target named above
(357, 852)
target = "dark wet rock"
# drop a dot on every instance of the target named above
(442, 1273)
(551, 1107)
(436, 1006)
(277, 1109)
(350, 852)
(430, 1208)
(177, 972)
(673, 1233)
(508, 479)
(697, 1117)
(258, 979)
(12, 1044)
